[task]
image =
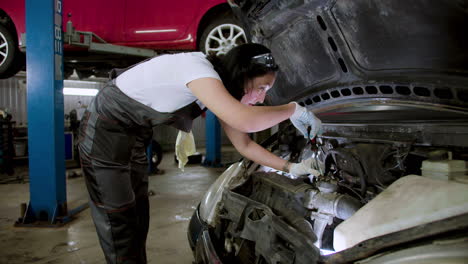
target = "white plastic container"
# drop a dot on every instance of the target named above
(410, 201)
(20, 148)
(444, 169)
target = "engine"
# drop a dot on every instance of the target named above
(353, 172)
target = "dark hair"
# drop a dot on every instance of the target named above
(237, 67)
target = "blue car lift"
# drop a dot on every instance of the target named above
(45, 39)
(213, 141)
(48, 202)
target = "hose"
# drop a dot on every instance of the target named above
(360, 171)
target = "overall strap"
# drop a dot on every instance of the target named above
(114, 73)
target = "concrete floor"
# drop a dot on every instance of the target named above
(176, 194)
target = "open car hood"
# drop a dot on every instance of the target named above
(405, 60)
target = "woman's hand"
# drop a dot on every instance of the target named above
(302, 118)
(303, 168)
(251, 150)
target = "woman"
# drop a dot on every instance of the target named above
(173, 90)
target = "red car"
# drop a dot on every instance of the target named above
(160, 25)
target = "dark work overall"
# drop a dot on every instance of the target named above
(113, 137)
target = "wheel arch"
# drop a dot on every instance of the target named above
(15, 60)
(213, 13)
(7, 22)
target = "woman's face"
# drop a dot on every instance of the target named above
(256, 88)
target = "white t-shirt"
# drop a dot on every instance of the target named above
(161, 83)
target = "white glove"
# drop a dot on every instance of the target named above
(303, 168)
(185, 146)
(303, 118)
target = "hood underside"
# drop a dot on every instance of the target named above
(356, 58)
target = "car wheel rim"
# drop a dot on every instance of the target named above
(223, 38)
(3, 49)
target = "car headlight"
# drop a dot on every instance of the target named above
(231, 177)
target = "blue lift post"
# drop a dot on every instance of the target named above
(48, 203)
(149, 155)
(213, 141)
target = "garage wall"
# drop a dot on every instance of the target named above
(70, 102)
(13, 97)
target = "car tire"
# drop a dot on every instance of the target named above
(221, 35)
(12, 60)
(84, 74)
(67, 72)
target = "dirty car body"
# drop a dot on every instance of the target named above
(389, 80)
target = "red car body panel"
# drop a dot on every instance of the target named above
(155, 24)
(103, 17)
(16, 11)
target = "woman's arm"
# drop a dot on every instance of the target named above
(212, 93)
(251, 150)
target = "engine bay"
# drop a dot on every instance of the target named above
(272, 218)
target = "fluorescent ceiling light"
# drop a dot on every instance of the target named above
(68, 82)
(80, 91)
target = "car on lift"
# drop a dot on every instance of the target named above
(389, 80)
(165, 26)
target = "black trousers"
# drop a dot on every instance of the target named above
(112, 144)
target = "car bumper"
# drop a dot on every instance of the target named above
(200, 241)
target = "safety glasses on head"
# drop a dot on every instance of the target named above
(266, 60)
